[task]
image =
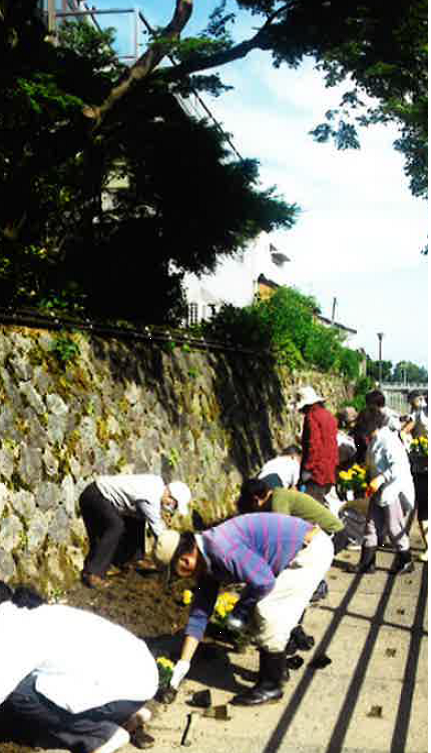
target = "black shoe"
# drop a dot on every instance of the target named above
(141, 739)
(367, 563)
(257, 695)
(291, 647)
(321, 592)
(403, 563)
(303, 641)
(294, 662)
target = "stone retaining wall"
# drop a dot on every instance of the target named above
(108, 406)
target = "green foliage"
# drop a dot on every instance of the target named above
(65, 244)
(285, 326)
(65, 350)
(374, 368)
(350, 362)
(404, 372)
(290, 316)
(409, 373)
(378, 49)
(61, 244)
(242, 327)
(362, 385)
(94, 46)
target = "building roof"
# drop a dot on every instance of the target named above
(325, 320)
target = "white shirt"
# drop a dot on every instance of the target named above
(346, 446)
(136, 494)
(387, 455)
(420, 419)
(20, 653)
(80, 660)
(392, 419)
(286, 467)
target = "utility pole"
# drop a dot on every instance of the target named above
(334, 305)
(380, 336)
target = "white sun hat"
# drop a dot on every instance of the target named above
(307, 396)
(181, 492)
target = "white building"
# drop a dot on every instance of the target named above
(235, 280)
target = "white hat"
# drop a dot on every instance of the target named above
(166, 546)
(181, 492)
(307, 396)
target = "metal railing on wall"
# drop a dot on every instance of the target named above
(150, 334)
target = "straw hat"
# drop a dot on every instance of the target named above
(166, 547)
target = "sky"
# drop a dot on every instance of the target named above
(360, 233)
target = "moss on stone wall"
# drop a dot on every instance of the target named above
(209, 418)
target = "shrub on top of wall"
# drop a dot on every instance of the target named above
(285, 325)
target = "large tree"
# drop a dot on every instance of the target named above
(112, 221)
(378, 48)
(67, 120)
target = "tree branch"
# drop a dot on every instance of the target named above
(146, 63)
(203, 63)
(262, 40)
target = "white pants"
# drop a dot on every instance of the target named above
(279, 612)
(389, 519)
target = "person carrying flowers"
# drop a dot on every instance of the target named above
(390, 490)
(417, 428)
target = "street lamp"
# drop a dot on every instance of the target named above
(380, 336)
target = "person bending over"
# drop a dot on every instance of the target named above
(283, 470)
(70, 678)
(279, 558)
(115, 510)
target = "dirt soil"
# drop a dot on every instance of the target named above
(145, 604)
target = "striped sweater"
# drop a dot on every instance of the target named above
(251, 549)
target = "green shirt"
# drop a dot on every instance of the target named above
(292, 502)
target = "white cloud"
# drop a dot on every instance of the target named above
(360, 234)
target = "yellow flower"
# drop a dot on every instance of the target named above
(224, 604)
(187, 597)
(166, 663)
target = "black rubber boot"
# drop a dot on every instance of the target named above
(268, 688)
(367, 563)
(403, 563)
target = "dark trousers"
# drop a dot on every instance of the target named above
(112, 537)
(420, 481)
(318, 492)
(28, 717)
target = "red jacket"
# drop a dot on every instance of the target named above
(319, 445)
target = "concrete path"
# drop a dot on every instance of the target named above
(371, 698)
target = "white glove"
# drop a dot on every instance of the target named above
(180, 670)
(236, 624)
